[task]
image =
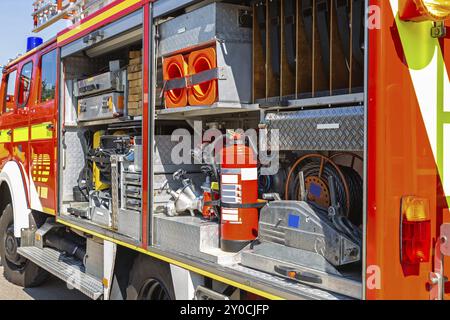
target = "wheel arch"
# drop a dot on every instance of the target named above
(13, 186)
(146, 268)
(5, 196)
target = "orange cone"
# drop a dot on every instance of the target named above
(173, 68)
(203, 93)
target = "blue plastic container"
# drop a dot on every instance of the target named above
(34, 42)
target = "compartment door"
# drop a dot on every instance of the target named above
(43, 155)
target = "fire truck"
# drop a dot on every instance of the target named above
(226, 150)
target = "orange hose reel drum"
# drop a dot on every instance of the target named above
(204, 93)
(175, 67)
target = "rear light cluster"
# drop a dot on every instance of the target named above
(415, 230)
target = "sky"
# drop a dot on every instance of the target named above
(16, 25)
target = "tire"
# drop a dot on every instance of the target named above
(17, 270)
(150, 279)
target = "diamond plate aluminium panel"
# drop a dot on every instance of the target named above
(216, 21)
(334, 129)
(162, 160)
(74, 162)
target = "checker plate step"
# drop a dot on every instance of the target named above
(65, 268)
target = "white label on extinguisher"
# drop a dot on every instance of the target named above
(230, 217)
(230, 178)
(230, 211)
(249, 174)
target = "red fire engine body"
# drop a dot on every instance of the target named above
(81, 182)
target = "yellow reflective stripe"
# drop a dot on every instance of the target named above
(21, 134)
(4, 136)
(41, 131)
(103, 16)
(178, 263)
(49, 211)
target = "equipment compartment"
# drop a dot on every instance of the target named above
(306, 218)
(205, 58)
(101, 162)
(307, 48)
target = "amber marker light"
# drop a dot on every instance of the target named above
(424, 10)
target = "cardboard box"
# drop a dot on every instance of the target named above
(135, 61)
(135, 54)
(134, 98)
(134, 68)
(134, 83)
(135, 90)
(135, 76)
(135, 105)
(135, 109)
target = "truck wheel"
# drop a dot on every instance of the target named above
(17, 270)
(150, 279)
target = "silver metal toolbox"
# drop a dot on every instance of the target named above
(191, 236)
(109, 81)
(216, 21)
(105, 106)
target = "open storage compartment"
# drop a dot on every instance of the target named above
(307, 48)
(307, 84)
(101, 136)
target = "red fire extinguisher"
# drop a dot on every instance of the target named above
(239, 196)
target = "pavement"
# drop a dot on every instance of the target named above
(52, 289)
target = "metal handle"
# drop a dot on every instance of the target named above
(9, 133)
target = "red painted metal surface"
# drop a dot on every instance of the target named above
(103, 22)
(43, 151)
(17, 124)
(146, 126)
(400, 163)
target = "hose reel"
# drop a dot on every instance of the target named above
(325, 184)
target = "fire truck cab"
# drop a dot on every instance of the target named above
(282, 149)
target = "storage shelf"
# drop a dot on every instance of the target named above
(328, 101)
(199, 111)
(102, 122)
